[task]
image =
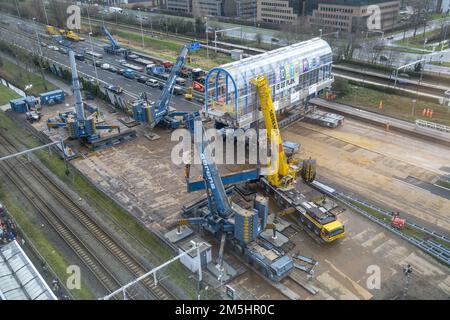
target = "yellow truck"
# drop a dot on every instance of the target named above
(51, 30)
(70, 35)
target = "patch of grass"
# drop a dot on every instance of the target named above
(443, 63)
(6, 94)
(20, 77)
(394, 105)
(169, 50)
(104, 205)
(46, 249)
(443, 183)
(418, 41)
(370, 211)
(406, 50)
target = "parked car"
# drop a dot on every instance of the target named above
(98, 63)
(142, 79)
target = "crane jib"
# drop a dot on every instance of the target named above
(207, 172)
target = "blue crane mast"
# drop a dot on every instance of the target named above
(114, 47)
(159, 113)
(236, 226)
(79, 125)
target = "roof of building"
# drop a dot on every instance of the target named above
(188, 245)
(19, 279)
(261, 63)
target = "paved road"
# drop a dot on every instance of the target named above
(400, 58)
(132, 88)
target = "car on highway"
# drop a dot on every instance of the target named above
(115, 89)
(55, 48)
(142, 79)
(113, 69)
(63, 50)
(177, 90)
(390, 38)
(98, 63)
(105, 66)
(43, 45)
(120, 71)
(152, 83)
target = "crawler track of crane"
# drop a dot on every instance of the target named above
(16, 174)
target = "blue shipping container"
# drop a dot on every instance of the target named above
(52, 97)
(19, 105)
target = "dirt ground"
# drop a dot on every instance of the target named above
(373, 163)
(142, 177)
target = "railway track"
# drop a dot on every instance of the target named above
(17, 176)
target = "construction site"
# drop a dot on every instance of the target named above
(342, 204)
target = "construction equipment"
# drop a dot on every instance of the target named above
(282, 178)
(69, 34)
(397, 222)
(188, 94)
(51, 30)
(235, 226)
(79, 125)
(114, 47)
(159, 113)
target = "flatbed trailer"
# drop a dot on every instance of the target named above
(323, 224)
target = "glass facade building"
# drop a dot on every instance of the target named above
(295, 73)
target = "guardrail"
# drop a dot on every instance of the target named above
(430, 246)
(432, 125)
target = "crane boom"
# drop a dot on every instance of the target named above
(161, 106)
(114, 44)
(213, 181)
(284, 174)
(79, 105)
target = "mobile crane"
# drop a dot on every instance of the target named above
(282, 179)
(235, 226)
(79, 125)
(114, 47)
(159, 113)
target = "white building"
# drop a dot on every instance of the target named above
(190, 260)
(444, 6)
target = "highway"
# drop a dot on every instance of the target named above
(132, 88)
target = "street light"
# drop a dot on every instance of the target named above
(93, 57)
(206, 33)
(142, 30)
(45, 11)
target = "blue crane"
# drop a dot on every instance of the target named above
(77, 123)
(232, 224)
(159, 112)
(114, 47)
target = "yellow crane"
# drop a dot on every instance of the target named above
(281, 181)
(285, 173)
